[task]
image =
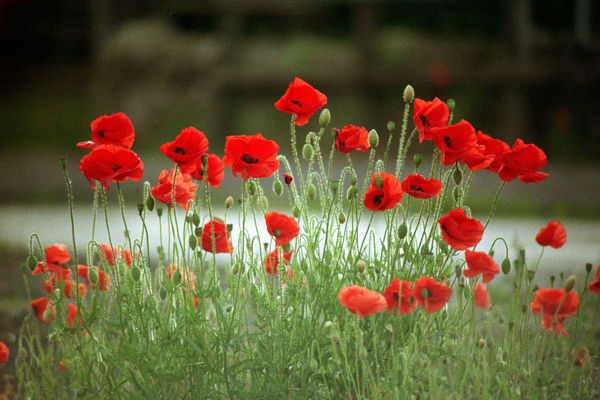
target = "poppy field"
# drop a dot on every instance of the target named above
(352, 285)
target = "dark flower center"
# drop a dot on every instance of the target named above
(248, 159)
(395, 296)
(116, 168)
(377, 198)
(296, 102)
(425, 293)
(101, 133)
(448, 142)
(424, 120)
(416, 188)
(179, 150)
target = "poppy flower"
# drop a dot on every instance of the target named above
(351, 138)
(184, 188)
(480, 263)
(115, 129)
(417, 186)
(62, 365)
(51, 284)
(594, 287)
(580, 356)
(44, 310)
(56, 257)
(384, 192)
(430, 295)
(553, 235)
(251, 156)
(282, 227)
(301, 99)
(459, 231)
(108, 254)
(361, 301)
(103, 280)
(492, 147)
(215, 170)
(481, 296)
(187, 147)
(454, 141)
(290, 274)
(400, 295)
(110, 163)
(428, 115)
(71, 313)
(475, 158)
(287, 178)
(524, 161)
(546, 303)
(272, 260)
(219, 234)
(4, 352)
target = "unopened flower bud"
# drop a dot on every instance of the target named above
(235, 269)
(328, 325)
(379, 182)
(251, 188)
(451, 104)
(409, 94)
(311, 191)
(140, 208)
(149, 202)
(196, 219)
(360, 266)
(277, 187)
(93, 275)
(198, 231)
(193, 241)
(373, 138)
(352, 192)
(402, 231)
(135, 273)
(335, 186)
(324, 118)
(506, 266)
(162, 293)
(391, 125)
(159, 211)
(263, 202)
(418, 159)
(307, 152)
(481, 343)
(588, 267)
(341, 218)
(457, 193)
(286, 247)
(570, 283)
(31, 262)
(552, 279)
(530, 274)
(296, 212)
(457, 175)
(228, 202)
(353, 180)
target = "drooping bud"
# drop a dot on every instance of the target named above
(570, 283)
(418, 159)
(457, 193)
(135, 273)
(307, 152)
(341, 218)
(277, 187)
(353, 180)
(457, 175)
(198, 230)
(193, 241)
(251, 188)
(311, 191)
(228, 202)
(379, 182)
(352, 192)
(391, 125)
(149, 202)
(140, 208)
(402, 231)
(506, 266)
(196, 219)
(335, 186)
(296, 212)
(360, 266)
(373, 138)
(31, 262)
(409, 94)
(324, 118)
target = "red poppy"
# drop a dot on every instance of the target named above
(71, 314)
(272, 260)
(481, 296)
(187, 147)
(594, 287)
(351, 138)
(383, 193)
(400, 293)
(430, 295)
(524, 161)
(428, 115)
(219, 234)
(361, 301)
(4, 352)
(459, 231)
(56, 257)
(51, 284)
(251, 156)
(476, 159)
(110, 163)
(103, 280)
(301, 99)
(282, 227)
(108, 254)
(480, 263)
(184, 188)
(417, 186)
(44, 310)
(215, 170)
(290, 274)
(492, 147)
(547, 302)
(553, 235)
(114, 129)
(287, 178)
(580, 356)
(454, 141)
(62, 365)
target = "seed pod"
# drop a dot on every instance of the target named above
(307, 152)
(193, 241)
(391, 125)
(140, 208)
(418, 159)
(530, 274)
(402, 231)
(324, 118)
(451, 104)
(588, 267)
(277, 187)
(159, 211)
(228, 202)
(506, 266)
(373, 138)
(311, 191)
(31, 262)
(570, 283)
(135, 273)
(341, 218)
(409, 94)
(457, 175)
(360, 266)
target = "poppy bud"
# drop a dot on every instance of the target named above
(391, 125)
(352, 192)
(140, 208)
(228, 202)
(451, 104)
(235, 270)
(251, 188)
(552, 279)
(63, 162)
(353, 180)
(379, 182)
(149, 202)
(341, 218)
(286, 247)
(198, 231)
(159, 211)
(457, 193)
(296, 212)
(32, 262)
(135, 273)
(93, 275)
(481, 343)
(263, 202)
(328, 257)
(373, 138)
(311, 191)
(196, 219)
(335, 186)
(277, 187)
(424, 250)
(418, 159)
(360, 266)
(177, 277)
(328, 325)
(402, 231)
(409, 94)
(218, 218)
(570, 283)
(562, 276)
(457, 175)
(506, 266)
(324, 118)
(212, 315)
(193, 241)
(530, 274)
(307, 152)
(588, 267)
